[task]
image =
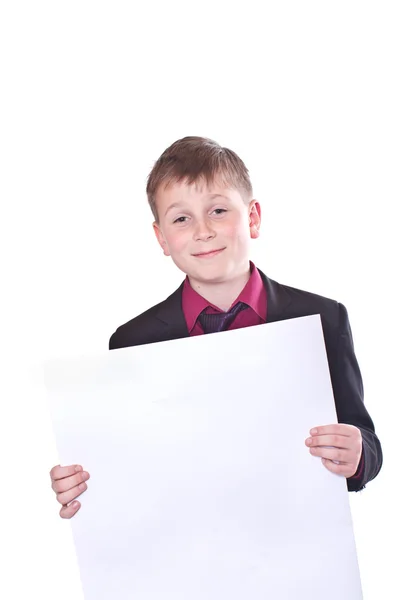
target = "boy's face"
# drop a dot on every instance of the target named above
(207, 231)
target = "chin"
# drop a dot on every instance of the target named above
(211, 274)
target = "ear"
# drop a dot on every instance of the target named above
(161, 239)
(254, 219)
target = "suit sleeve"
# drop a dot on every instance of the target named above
(349, 398)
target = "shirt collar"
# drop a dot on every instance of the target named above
(253, 294)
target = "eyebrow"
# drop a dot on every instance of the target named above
(175, 205)
(212, 197)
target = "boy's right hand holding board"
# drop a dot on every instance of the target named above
(68, 483)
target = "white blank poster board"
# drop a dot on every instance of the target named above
(201, 485)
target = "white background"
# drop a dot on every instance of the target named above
(307, 93)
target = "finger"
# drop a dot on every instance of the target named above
(67, 512)
(343, 456)
(59, 472)
(67, 497)
(335, 468)
(334, 429)
(63, 485)
(338, 441)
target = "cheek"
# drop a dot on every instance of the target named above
(237, 230)
(176, 241)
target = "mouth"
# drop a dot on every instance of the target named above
(209, 254)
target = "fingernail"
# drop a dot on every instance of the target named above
(314, 431)
(78, 468)
(82, 486)
(309, 442)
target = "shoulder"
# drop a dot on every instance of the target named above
(295, 302)
(146, 327)
(134, 329)
(288, 302)
(311, 301)
(300, 303)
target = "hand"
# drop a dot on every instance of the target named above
(68, 483)
(338, 442)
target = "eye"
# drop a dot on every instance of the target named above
(180, 220)
(220, 211)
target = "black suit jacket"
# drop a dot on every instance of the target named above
(166, 321)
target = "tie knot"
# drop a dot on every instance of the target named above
(212, 323)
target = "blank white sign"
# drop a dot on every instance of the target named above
(201, 484)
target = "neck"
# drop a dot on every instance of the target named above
(222, 294)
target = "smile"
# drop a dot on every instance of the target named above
(209, 254)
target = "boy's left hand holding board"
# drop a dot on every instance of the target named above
(338, 442)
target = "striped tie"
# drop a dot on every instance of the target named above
(220, 321)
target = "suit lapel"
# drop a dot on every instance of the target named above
(278, 299)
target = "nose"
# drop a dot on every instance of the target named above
(203, 231)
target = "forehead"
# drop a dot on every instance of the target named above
(183, 191)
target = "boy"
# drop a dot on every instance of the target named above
(205, 217)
